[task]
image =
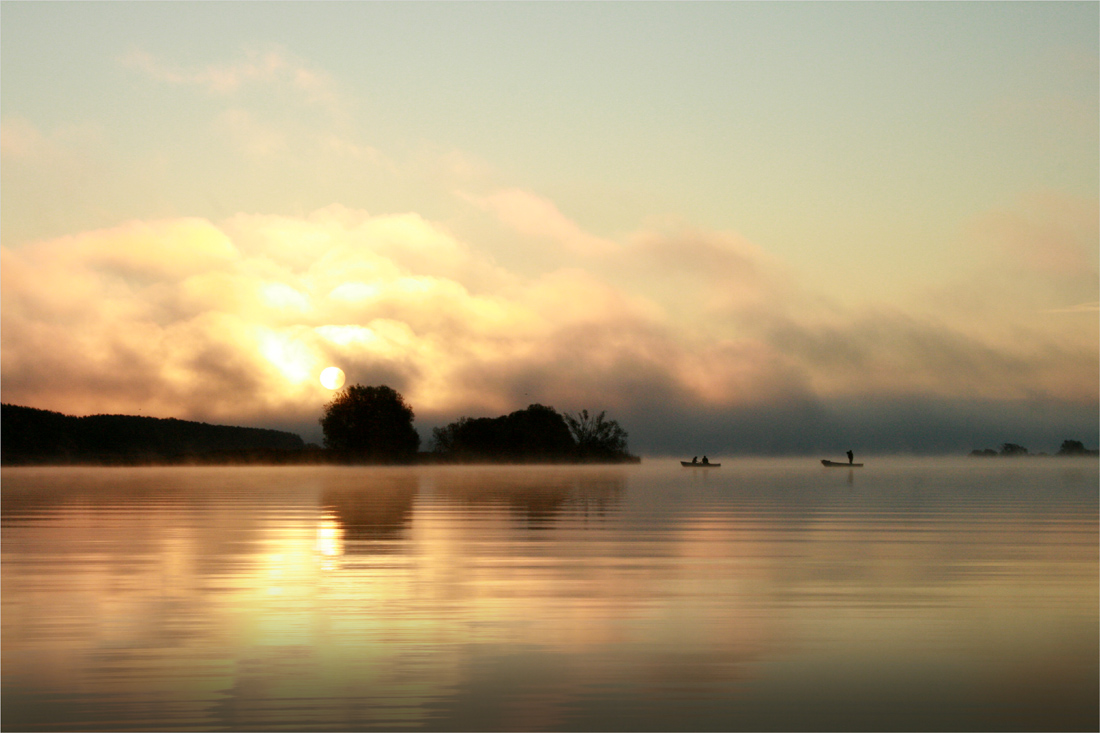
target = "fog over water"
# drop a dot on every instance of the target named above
(918, 426)
(766, 594)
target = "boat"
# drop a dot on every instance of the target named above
(840, 464)
(699, 465)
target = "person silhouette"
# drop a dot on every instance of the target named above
(705, 460)
(851, 456)
(695, 459)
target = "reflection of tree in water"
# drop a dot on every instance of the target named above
(537, 497)
(379, 510)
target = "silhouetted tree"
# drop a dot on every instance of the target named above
(445, 439)
(595, 436)
(1072, 448)
(371, 423)
(537, 433)
(1011, 449)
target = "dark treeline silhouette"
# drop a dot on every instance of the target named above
(537, 434)
(370, 425)
(1012, 450)
(360, 425)
(597, 438)
(33, 436)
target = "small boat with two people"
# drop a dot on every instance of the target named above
(841, 464)
(696, 463)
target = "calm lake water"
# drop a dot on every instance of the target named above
(917, 594)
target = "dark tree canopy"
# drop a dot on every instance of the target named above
(370, 423)
(983, 453)
(1073, 448)
(596, 437)
(1011, 450)
(32, 436)
(537, 433)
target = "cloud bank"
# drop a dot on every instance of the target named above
(689, 337)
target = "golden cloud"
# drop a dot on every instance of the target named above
(535, 216)
(234, 322)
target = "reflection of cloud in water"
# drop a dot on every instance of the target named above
(125, 510)
(771, 598)
(537, 496)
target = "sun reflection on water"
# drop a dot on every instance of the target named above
(330, 538)
(504, 597)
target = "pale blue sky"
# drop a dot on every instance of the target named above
(804, 126)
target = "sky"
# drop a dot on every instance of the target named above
(736, 227)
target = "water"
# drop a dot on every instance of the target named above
(766, 594)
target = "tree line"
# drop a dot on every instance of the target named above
(33, 436)
(1012, 450)
(361, 425)
(374, 424)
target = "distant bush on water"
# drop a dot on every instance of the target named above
(1012, 450)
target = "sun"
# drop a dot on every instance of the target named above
(332, 378)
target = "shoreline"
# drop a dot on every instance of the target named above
(305, 457)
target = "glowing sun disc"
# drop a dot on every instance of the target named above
(332, 378)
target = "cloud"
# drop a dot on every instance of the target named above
(20, 139)
(673, 328)
(890, 353)
(338, 146)
(272, 68)
(186, 322)
(535, 216)
(44, 166)
(1092, 307)
(1044, 234)
(270, 108)
(250, 134)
